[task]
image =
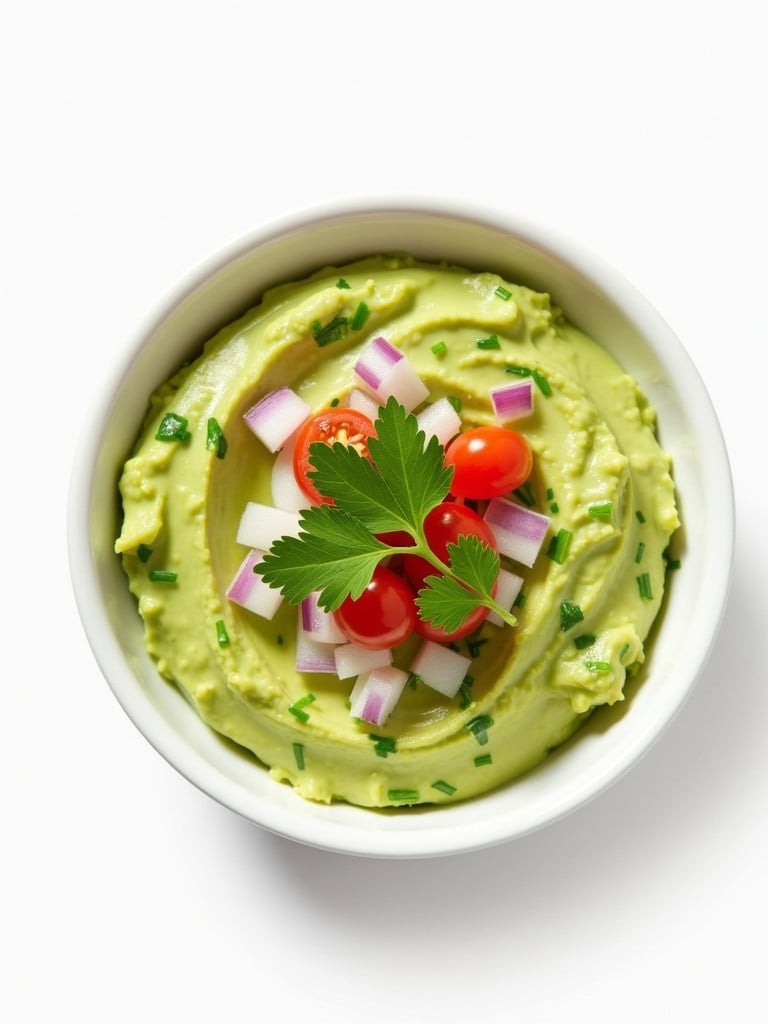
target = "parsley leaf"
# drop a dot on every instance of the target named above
(334, 553)
(444, 602)
(475, 563)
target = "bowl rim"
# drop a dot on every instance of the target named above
(327, 834)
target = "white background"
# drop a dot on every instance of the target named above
(137, 139)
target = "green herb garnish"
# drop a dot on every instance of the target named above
(640, 516)
(479, 727)
(384, 745)
(603, 510)
(298, 753)
(297, 708)
(598, 666)
(570, 614)
(526, 495)
(503, 293)
(337, 551)
(403, 795)
(558, 546)
(221, 633)
(163, 576)
(214, 439)
(639, 552)
(644, 586)
(334, 330)
(173, 428)
(341, 283)
(491, 342)
(359, 316)
(526, 371)
(455, 402)
(143, 553)
(439, 349)
(483, 759)
(444, 787)
(585, 640)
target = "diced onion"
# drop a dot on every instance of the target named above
(362, 402)
(439, 419)
(286, 493)
(251, 592)
(386, 371)
(354, 659)
(512, 401)
(311, 655)
(261, 525)
(375, 694)
(508, 585)
(519, 532)
(276, 416)
(440, 667)
(318, 623)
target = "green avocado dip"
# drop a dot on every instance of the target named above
(586, 606)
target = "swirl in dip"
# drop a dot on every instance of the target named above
(529, 687)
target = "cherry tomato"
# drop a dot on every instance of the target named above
(384, 614)
(443, 526)
(330, 426)
(488, 462)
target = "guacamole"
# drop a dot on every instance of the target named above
(586, 605)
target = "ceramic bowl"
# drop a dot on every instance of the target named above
(595, 298)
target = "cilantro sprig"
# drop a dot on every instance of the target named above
(336, 551)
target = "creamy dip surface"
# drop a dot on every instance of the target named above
(530, 686)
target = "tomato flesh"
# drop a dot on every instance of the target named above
(488, 462)
(383, 616)
(443, 526)
(329, 426)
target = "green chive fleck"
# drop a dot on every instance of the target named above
(465, 690)
(143, 553)
(526, 495)
(570, 614)
(334, 402)
(503, 293)
(413, 680)
(640, 516)
(279, 640)
(478, 727)
(444, 787)
(221, 633)
(341, 283)
(334, 330)
(474, 646)
(550, 494)
(163, 576)
(297, 709)
(558, 546)
(604, 510)
(215, 440)
(359, 316)
(455, 402)
(384, 745)
(554, 508)
(519, 600)
(410, 796)
(585, 640)
(598, 666)
(483, 759)
(172, 428)
(672, 563)
(491, 342)
(298, 753)
(639, 552)
(644, 586)
(623, 652)
(439, 349)
(526, 371)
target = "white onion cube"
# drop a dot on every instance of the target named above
(439, 419)
(508, 586)
(374, 695)
(276, 416)
(354, 659)
(318, 623)
(251, 592)
(440, 667)
(261, 525)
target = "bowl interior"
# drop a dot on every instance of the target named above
(596, 299)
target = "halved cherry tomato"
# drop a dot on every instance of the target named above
(488, 462)
(384, 614)
(347, 426)
(443, 526)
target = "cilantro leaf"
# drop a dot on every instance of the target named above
(334, 553)
(475, 563)
(444, 602)
(355, 485)
(415, 474)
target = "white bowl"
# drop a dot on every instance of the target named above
(596, 299)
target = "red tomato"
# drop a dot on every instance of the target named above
(329, 426)
(443, 526)
(488, 462)
(384, 614)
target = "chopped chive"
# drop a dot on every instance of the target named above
(297, 709)
(585, 640)
(519, 600)
(163, 576)
(603, 510)
(478, 727)
(466, 692)
(623, 652)
(302, 702)
(413, 680)
(554, 508)
(444, 787)
(644, 586)
(455, 402)
(172, 428)
(550, 494)
(143, 553)
(403, 795)
(221, 633)
(503, 293)
(279, 640)
(483, 759)
(214, 439)
(334, 330)
(526, 495)
(570, 614)
(439, 349)
(640, 516)
(639, 552)
(298, 753)
(492, 342)
(359, 316)
(558, 546)
(520, 371)
(672, 563)
(298, 713)
(598, 666)
(341, 283)
(542, 383)
(334, 402)
(383, 745)
(474, 646)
